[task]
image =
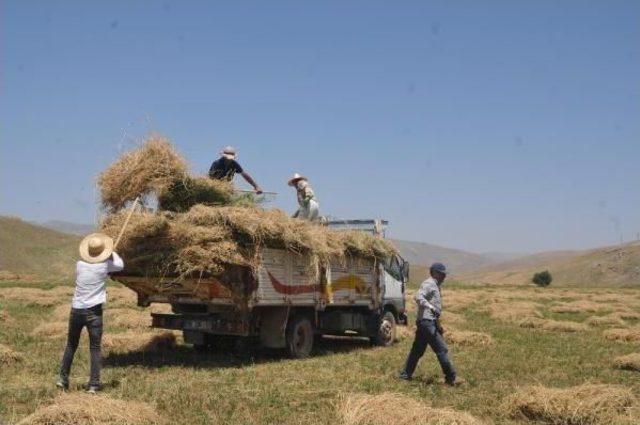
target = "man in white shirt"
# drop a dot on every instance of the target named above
(97, 260)
(308, 206)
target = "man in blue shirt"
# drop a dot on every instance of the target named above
(428, 330)
(226, 167)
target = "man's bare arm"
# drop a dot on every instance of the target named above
(252, 182)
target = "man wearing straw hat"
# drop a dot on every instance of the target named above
(98, 259)
(309, 208)
(226, 167)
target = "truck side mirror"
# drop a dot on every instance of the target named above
(405, 271)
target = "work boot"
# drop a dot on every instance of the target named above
(91, 389)
(63, 385)
(456, 382)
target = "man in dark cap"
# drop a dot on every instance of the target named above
(226, 167)
(428, 330)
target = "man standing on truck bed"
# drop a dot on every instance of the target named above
(226, 167)
(428, 329)
(97, 260)
(308, 206)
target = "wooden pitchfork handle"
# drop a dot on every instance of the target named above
(126, 222)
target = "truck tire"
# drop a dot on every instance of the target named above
(386, 332)
(299, 337)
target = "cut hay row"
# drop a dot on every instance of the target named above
(624, 335)
(608, 320)
(587, 404)
(132, 341)
(38, 297)
(395, 409)
(127, 318)
(75, 409)
(514, 311)
(9, 356)
(50, 330)
(552, 325)
(467, 338)
(579, 307)
(628, 362)
(627, 314)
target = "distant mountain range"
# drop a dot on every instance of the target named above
(423, 254)
(617, 265)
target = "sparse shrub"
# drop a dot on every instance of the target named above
(543, 278)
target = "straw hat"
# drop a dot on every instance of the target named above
(96, 248)
(229, 152)
(295, 179)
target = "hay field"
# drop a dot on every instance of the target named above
(529, 356)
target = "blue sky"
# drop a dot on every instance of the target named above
(486, 126)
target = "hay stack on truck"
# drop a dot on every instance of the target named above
(284, 304)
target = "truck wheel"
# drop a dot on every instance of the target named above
(299, 337)
(386, 330)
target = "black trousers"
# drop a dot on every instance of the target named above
(91, 318)
(427, 335)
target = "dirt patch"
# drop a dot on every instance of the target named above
(73, 409)
(9, 356)
(581, 405)
(395, 409)
(628, 362)
(467, 338)
(625, 335)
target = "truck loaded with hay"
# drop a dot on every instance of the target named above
(230, 268)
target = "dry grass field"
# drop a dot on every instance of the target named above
(529, 355)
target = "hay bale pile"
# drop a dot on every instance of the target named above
(76, 408)
(200, 229)
(581, 405)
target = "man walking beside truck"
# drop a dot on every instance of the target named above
(428, 329)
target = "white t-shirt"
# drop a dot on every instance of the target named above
(91, 288)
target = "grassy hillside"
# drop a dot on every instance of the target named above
(71, 228)
(617, 265)
(423, 254)
(31, 251)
